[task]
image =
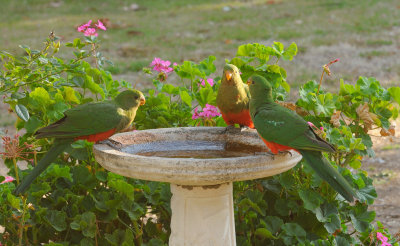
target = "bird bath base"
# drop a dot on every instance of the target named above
(200, 163)
(202, 215)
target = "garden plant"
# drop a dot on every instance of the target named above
(76, 202)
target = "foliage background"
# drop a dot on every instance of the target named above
(362, 33)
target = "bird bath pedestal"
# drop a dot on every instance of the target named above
(200, 163)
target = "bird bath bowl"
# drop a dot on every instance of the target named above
(200, 163)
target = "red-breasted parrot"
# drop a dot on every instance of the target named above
(92, 121)
(282, 129)
(233, 98)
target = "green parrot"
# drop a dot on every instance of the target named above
(282, 129)
(233, 98)
(92, 121)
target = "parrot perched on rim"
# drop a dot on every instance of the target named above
(92, 121)
(233, 98)
(282, 129)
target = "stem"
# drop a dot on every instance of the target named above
(320, 81)
(35, 157)
(21, 228)
(16, 170)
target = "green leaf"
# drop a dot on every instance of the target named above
(123, 187)
(264, 233)
(207, 65)
(59, 171)
(101, 176)
(290, 52)
(206, 96)
(341, 241)
(57, 219)
(361, 218)
(246, 202)
(87, 242)
(156, 242)
(395, 93)
(14, 201)
(168, 88)
(186, 98)
(273, 223)
(93, 87)
(39, 189)
(255, 50)
(293, 232)
(85, 223)
(22, 112)
(40, 98)
(277, 47)
(70, 95)
(311, 199)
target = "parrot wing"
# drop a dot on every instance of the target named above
(281, 125)
(86, 119)
(246, 88)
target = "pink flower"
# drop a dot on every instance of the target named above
(195, 114)
(208, 112)
(90, 32)
(210, 81)
(161, 66)
(100, 25)
(8, 179)
(175, 64)
(84, 26)
(310, 124)
(383, 239)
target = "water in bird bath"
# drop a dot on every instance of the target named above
(193, 149)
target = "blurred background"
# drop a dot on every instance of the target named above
(363, 34)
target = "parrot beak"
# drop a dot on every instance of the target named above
(228, 75)
(142, 100)
(248, 82)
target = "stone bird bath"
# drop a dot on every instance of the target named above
(200, 163)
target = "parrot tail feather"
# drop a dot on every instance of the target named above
(328, 173)
(57, 148)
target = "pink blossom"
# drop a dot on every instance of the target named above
(161, 65)
(195, 114)
(209, 111)
(100, 25)
(84, 26)
(310, 124)
(8, 179)
(175, 64)
(210, 81)
(383, 239)
(90, 32)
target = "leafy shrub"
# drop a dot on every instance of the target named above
(84, 204)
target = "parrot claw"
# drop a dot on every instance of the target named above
(286, 152)
(111, 143)
(244, 128)
(265, 153)
(229, 128)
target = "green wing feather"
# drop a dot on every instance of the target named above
(283, 126)
(85, 119)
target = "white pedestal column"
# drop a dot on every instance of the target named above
(202, 216)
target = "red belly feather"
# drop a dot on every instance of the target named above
(275, 148)
(98, 136)
(243, 118)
